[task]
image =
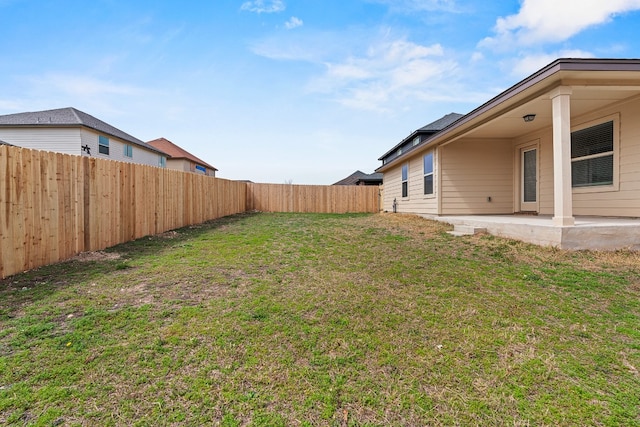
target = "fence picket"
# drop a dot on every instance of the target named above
(53, 206)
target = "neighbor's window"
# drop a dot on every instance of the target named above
(162, 161)
(428, 173)
(405, 180)
(592, 156)
(103, 145)
(128, 150)
(416, 141)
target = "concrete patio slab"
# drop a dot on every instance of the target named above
(597, 233)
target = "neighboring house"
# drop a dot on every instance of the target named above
(181, 159)
(418, 136)
(361, 178)
(564, 142)
(71, 131)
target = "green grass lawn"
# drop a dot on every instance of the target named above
(329, 320)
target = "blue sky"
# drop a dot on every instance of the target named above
(306, 91)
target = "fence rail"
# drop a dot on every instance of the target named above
(54, 206)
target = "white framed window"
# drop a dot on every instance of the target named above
(128, 150)
(103, 145)
(405, 180)
(162, 161)
(416, 141)
(593, 155)
(427, 162)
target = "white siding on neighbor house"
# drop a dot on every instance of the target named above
(60, 140)
(417, 201)
(472, 171)
(116, 149)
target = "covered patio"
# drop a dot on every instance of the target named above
(596, 233)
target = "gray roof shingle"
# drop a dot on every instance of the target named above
(441, 123)
(357, 176)
(69, 117)
(429, 130)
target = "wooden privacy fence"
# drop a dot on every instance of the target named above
(54, 206)
(313, 198)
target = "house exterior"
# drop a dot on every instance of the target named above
(181, 159)
(71, 131)
(564, 142)
(361, 178)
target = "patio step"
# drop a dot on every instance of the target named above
(466, 230)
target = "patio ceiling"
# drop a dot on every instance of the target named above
(595, 84)
(591, 91)
(584, 99)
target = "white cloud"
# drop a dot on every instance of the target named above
(390, 71)
(359, 70)
(529, 64)
(293, 22)
(262, 6)
(540, 21)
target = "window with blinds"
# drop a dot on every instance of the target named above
(592, 156)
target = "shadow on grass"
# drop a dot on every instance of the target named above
(33, 285)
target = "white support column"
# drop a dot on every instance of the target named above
(562, 194)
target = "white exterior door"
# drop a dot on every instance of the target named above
(529, 179)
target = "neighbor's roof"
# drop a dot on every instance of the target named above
(441, 123)
(430, 129)
(177, 152)
(359, 176)
(64, 117)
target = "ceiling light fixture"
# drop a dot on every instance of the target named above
(528, 117)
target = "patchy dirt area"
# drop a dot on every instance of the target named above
(96, 256)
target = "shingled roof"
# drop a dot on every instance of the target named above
(430, 129)
(358, 176)
(65, 117)
(441, 123)
(177, 152)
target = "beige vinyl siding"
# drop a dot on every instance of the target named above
(116, 149)
(391, 180)
(183, 165)
(472, 171)
(416, 202)
(625, 201)
(60, 140)
(187, 165)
